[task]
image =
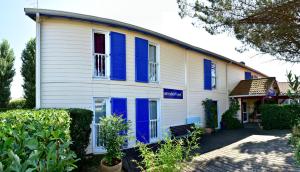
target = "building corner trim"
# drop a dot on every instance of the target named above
(38, 63)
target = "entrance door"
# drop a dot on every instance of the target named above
(244, 112)
(215, 113)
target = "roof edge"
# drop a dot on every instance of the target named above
(31, 12)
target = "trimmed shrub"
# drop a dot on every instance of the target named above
(16, 104)
(35, 140)
(80, 129)
(229, 121)
(275, 116)
(3, 110)
(295, 141)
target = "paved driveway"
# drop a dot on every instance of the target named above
(255, 151)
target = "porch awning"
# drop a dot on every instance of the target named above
(256, 87)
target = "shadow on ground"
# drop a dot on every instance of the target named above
(223, 138)
(272, 154)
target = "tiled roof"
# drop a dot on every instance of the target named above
(253, 87)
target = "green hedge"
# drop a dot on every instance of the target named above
(17, 104)
(275, 116)
(80, 131)
(35, 140)
(229, 120)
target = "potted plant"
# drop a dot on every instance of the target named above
(211, 115)
(113, 134)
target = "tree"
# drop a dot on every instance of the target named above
(28, 73)
(269, 26)
(294, 84)
(7, 72)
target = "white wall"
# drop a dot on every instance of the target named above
(67, 70)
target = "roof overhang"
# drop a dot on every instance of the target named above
(31, 12)
(241, 96)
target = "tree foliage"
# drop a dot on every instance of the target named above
(294, 84)
(7, 72)
(269, 26)
(28, 73)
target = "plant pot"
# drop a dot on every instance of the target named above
(115, 168)
(208, 130)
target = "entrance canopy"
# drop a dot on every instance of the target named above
(261, 87)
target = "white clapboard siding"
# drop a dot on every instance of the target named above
(67, 74)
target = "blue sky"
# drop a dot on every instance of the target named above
(158, 15)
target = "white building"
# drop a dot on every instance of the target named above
(113, 67)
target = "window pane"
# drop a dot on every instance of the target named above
(153, 110)
(213, 75)
(153, 65)
(100, 109)
(99, 43)
(99, 67)
(152, 53)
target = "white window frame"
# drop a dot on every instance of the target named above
(107, 53)
(215, 77)
(157, 62)
(158, 121)
(99, 149)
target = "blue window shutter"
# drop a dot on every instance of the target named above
(119, 107)
(207, 74)
(247, 75)
(142, 120)
(141, 60)
(117, 56)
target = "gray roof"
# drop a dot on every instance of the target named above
(31, 12)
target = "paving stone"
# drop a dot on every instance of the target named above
(260, 151)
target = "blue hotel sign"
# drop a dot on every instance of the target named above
(173, 94)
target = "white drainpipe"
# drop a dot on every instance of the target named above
(38, 63)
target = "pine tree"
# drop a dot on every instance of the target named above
(28, 73)
(7, 72)
(269, 26)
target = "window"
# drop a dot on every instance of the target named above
(100, 55)
(153, 116)
(153, 63)
(213, 76)
(254, 76)
(100, 110)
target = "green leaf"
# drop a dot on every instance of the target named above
(1, 167)
(32, 144)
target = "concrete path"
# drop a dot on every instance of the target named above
(258, 151)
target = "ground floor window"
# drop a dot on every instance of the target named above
(100, 110)
(153, 116)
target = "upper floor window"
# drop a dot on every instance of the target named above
(254, 76)
(213, 76)
(100, 55)
(153, 63)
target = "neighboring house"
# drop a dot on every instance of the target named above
(284, 88)
(108, 66)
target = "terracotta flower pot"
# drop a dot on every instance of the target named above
(115, 168)
(208, 130)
